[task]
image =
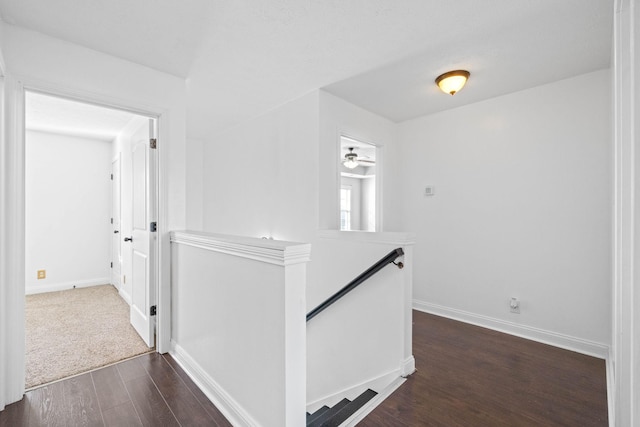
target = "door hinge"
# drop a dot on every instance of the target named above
(111, 265)
(153, 142)
(111, 177)
(111, 220)
(153, 227)
(152, 310)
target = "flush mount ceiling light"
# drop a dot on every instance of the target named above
(452, 81)
(350, 159)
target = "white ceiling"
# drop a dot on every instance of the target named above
(242, 58)
(551, 44)
(62, 116)
(164, 35)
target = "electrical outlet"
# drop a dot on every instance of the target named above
(42, 274)
(514, 305)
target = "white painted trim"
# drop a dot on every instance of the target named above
(393, 238)
(163, 257)
(4, 227)
(378, 383)
(566, 342)
(380, 155)
(611, 385)
(220, 398)
(366, 409)
(125, 296)
(626, 298)
(116, 279)
(15, 212)
(67, 285)
(408, 366)
(270, 251)
(99, 100)
(163, 245)
(3, 64)
(12, 255)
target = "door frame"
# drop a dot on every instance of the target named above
(379, 176)
(16, 210)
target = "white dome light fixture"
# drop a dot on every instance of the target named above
(452, 81)
(350, 159)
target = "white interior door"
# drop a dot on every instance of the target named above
(143, 238)
(116, 240)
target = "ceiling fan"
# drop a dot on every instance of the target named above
(351, 160)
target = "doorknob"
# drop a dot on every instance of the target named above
(128, 239)
(116, 231)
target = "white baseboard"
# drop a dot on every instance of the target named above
(566, 342)
(125, 296)
(30, 290)
(408, 366)
(225, 403)
(377, 383)
(611, 389)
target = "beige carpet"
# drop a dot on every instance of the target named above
(74, 331)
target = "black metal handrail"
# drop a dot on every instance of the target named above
(388, 259)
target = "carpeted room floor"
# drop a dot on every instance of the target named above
(77, 330)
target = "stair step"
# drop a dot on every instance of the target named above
(350, 409)
(315, 415)
(320, 421)
(333, 417)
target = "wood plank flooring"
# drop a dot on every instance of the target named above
(471, 376)
(150, 390)
(467, 376)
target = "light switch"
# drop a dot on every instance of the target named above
(429, 190)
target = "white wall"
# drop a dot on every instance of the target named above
(195, 190)
(278, 174)
(241, 332)
(522, 209)
(68, 206)
(364, 339)
(46, 62)
(261, 178)
(53, 65)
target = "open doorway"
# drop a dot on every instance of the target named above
(89, 184)
(358, 185)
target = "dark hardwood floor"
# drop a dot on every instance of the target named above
(467, 376)
(471, 376)
(150, 390)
